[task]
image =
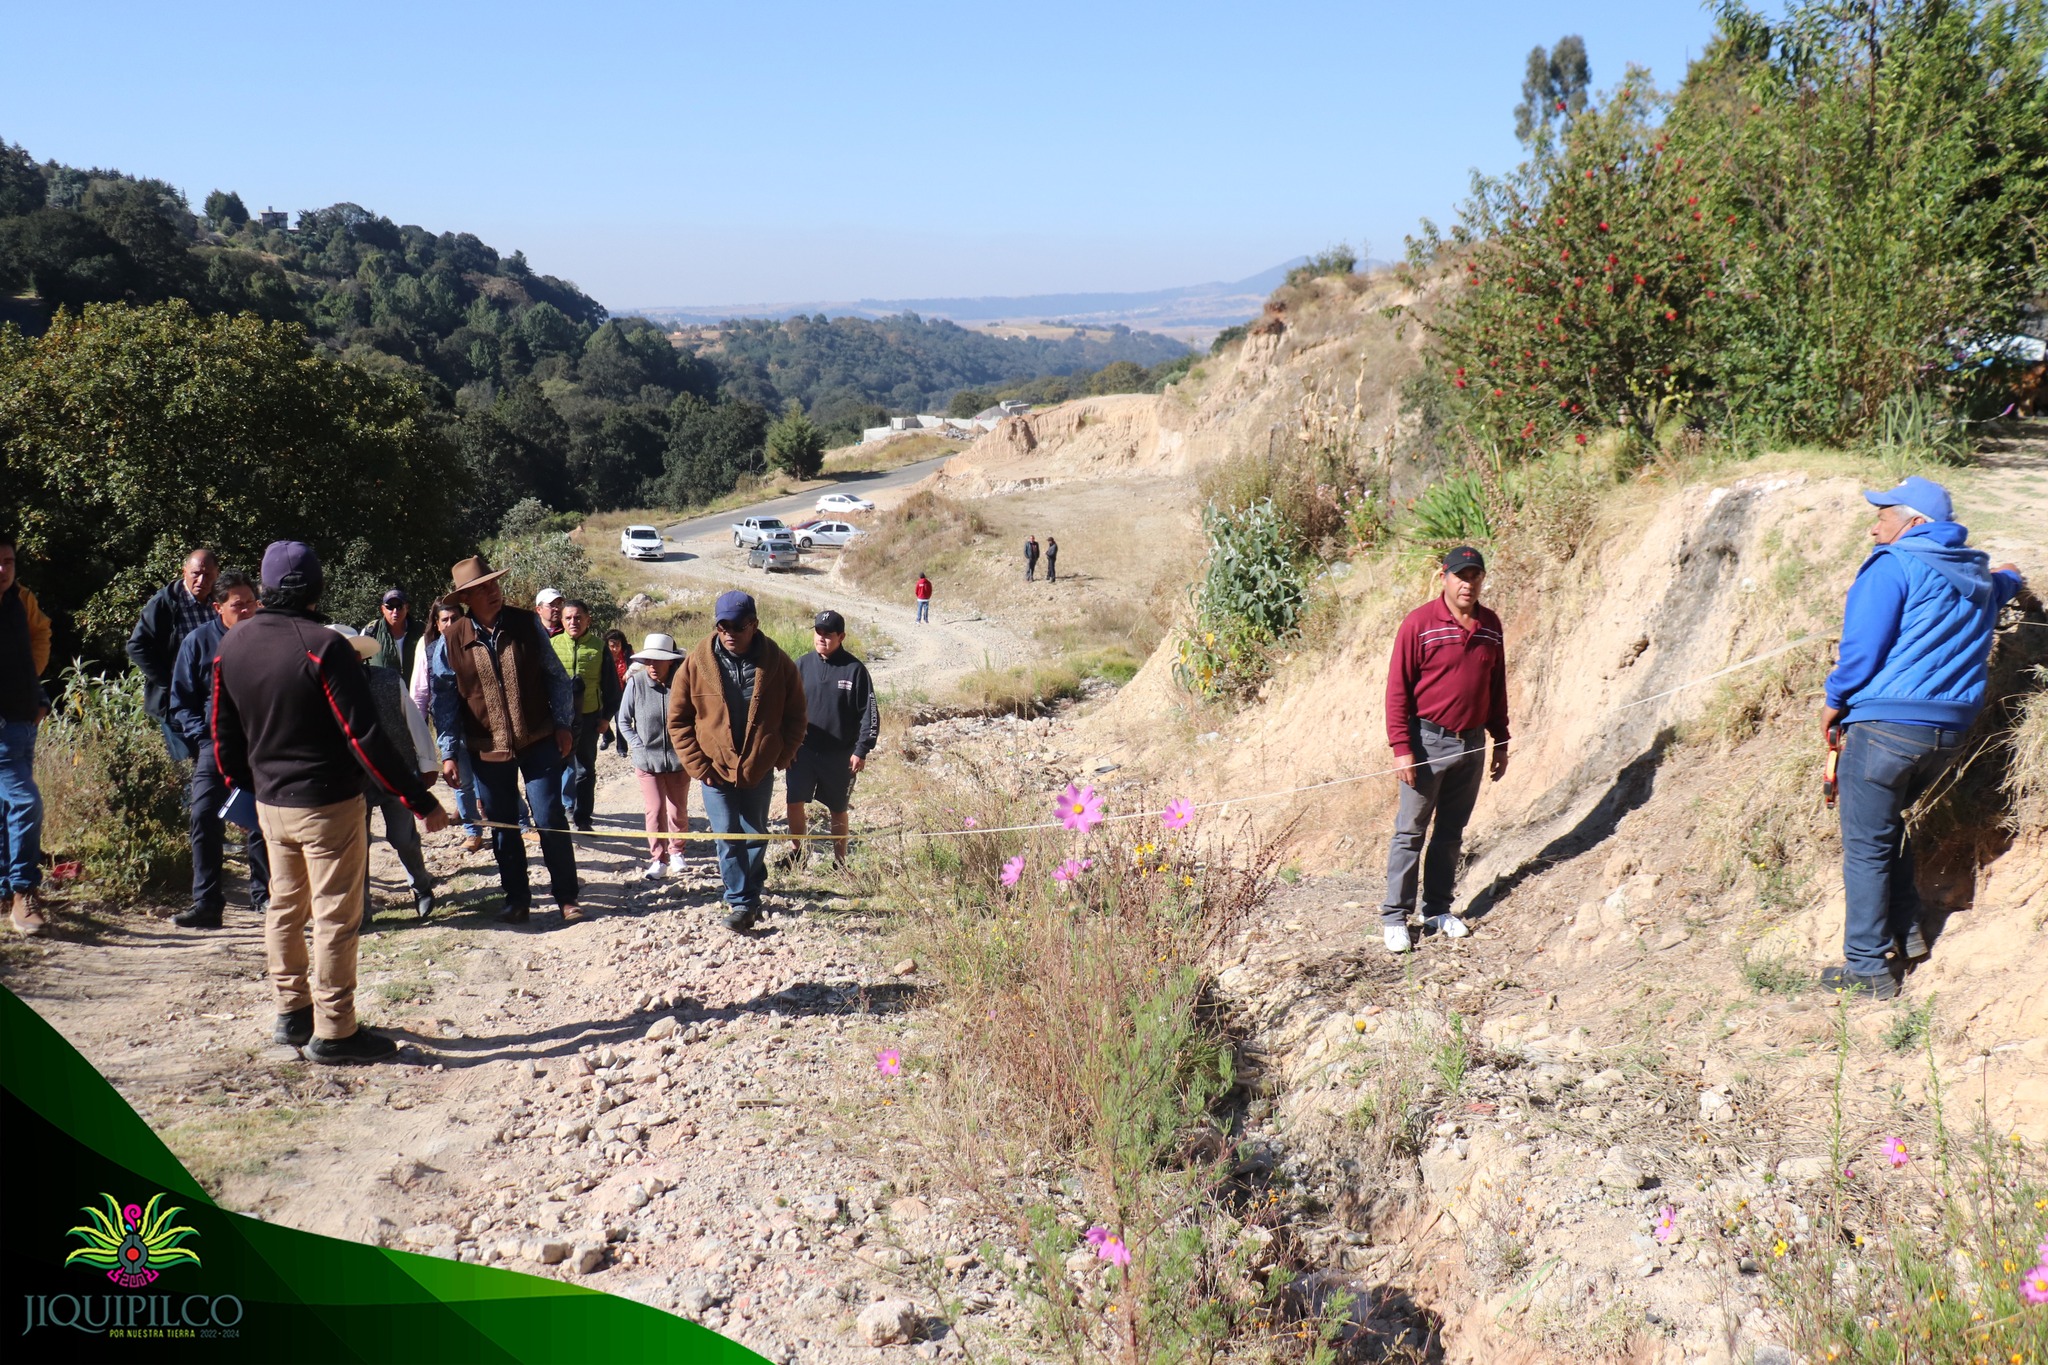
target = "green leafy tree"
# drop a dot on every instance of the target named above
(22, 186)
(1553, 87)
(709, 447)
(64, 256)
(795, 445)
(225, 210)
(102, 419)
(967, 402)
(1119, 376)
(547, 330)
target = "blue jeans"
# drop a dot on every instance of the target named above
(1883, 769)
(539, 768)
(21, 808)
(465, 796)
(924, 608)
(204, 798)
(742, 864)
(175, 741)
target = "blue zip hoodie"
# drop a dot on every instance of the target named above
(1916, 634)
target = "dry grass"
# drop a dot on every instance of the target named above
(893, 454)
(926, 534)
(2026, 778)
(1023, 690)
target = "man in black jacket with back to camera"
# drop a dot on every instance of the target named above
(294, 724)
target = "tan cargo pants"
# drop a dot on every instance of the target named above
(318, 858)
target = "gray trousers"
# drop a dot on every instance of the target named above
(1448, 772)
(402, 832)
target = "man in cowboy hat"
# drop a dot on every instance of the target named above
(293, 723)
(500, 694)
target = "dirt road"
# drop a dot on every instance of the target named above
(646, 1103)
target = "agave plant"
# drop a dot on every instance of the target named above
(132, 1243)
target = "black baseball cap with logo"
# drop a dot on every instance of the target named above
(829, 622)
(1463, 558)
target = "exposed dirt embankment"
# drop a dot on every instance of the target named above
(1322, 358)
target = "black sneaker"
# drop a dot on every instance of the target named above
(513, 914)
(360, 1046)
(742, 919)
(295, 1029)
(1883, 986)
(196, 918)
(423, 903)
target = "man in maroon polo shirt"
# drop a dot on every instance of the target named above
(1447, 689)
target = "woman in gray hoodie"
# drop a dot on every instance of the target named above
(643, 723)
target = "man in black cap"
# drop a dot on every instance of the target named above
(842, 725)
(398, 639)
(1447, 689)
(294, 724)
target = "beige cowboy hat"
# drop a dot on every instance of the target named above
(470, 572)
(657, 648)
(366, 646)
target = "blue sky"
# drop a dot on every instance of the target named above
(758, 152)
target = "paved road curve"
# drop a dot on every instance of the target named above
(799, 505)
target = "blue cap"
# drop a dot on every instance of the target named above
(292, 564)
(733, 606)
(1924, 496)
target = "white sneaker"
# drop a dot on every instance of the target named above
(675, 865)
(656, 870)
(1450, 926)
(1396, 937)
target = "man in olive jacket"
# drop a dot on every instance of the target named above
(736, 714)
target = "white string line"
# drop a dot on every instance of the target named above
(1750, 662)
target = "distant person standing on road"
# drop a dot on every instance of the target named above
(1052, 560)
(735, 715)
(1909, 679)
(234, 601)
(643, 732)
(924, 597)
(178, 608)
(24, 654)
(443, 614)
(1030, 558)
(1447, 689)
(293, 724)
(842, 725)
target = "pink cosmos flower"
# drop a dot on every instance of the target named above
(1114, 1251)
(1894, 1152)
(1069, 870)
(1667, 1224)
(972, 822)
(1097, 1235)
(2034, 1285)
(1079, 809)
(1178, 812)
(889, 1062)
(1012, 870)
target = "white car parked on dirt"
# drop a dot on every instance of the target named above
(833, 533)
(640, 542)
(842, 503)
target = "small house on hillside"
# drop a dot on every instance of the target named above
(274, 218)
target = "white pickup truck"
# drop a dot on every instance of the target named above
(756, 530)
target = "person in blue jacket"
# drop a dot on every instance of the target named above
(1909, 680)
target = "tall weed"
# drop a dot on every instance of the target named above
(113, 799)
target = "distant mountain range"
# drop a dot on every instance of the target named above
(1190, 309)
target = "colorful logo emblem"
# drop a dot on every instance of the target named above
(132, 1244)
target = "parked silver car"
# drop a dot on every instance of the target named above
(770, 555)
(833, 533)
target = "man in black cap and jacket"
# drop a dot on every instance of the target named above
(841, 726)
(294, 723)
(176, 610)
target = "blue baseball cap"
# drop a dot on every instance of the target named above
(733, 605)
(292, 564)
(1923, 497)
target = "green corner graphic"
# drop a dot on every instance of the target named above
(243, 1289)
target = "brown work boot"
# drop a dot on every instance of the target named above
(572, 915)
(475, 843)
(25, 915)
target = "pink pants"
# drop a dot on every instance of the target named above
(666, 799)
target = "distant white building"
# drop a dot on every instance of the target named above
(968, 427)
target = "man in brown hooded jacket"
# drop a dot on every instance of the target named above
(736, 714)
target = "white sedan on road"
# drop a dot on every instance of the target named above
(640, 542)
(842, 503)
(834, 533)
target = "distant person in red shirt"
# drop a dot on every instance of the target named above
(924, 597)
(1447, 689)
